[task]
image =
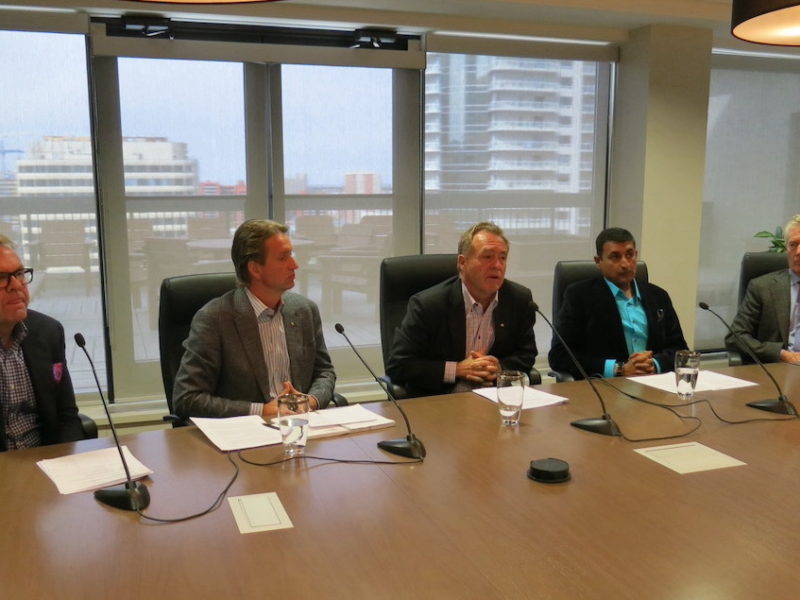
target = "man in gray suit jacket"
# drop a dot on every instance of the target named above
(769, 316)
(248, 346)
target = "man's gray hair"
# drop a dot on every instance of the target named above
(6, 241)
(465, 242)
(248, 244)
(793, 223)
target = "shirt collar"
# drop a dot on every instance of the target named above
(19, 333)
(261, 310)
(794, 277)
(616, 290)
(469, 301)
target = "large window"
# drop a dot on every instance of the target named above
(47, 203)
(521, 142)
(337, 132)
(752, 180)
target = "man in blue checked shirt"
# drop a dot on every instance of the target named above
(615, 325)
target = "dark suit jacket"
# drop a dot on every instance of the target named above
(434, 332)
(223, 370)
(589, 322)
(763, 317)
(43, 349)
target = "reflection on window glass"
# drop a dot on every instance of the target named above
(752, 154)
(183, 135)
(47, 204)
(182, 127)
(517, 141)
(337, 132)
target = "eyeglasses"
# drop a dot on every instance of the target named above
(23, 276)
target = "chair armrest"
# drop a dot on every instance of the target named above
(89, 427)
(339, 400)
(534, 377)
(398, 391)
(175, 420)
(734, 359)
(561, 376)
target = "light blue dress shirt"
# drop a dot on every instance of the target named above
(634, 324)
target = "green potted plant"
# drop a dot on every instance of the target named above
(777, 241)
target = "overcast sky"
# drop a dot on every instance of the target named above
(336, 119)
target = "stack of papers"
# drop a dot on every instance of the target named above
(533, 398)
(239, 433)
(91, 470)
(706, 381)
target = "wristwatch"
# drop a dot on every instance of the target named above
(618, 368)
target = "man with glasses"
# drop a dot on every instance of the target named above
(36, 396)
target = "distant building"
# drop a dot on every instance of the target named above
(298, 184)
(362, 183)
(214, 188)
(62, 166)
(502, 123)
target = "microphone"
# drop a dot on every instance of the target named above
(132, 495)
(604, 425)
(780, 404)
(409, 446)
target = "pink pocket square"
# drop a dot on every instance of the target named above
(58, 371)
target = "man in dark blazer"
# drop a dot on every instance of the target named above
(768, 319)
(614, 325)
(38, 402)
(253, 343)
(460, 333)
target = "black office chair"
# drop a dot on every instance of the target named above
(181, 297)
(754, 264)
(89, 427)
(566, 273)
(400, 278)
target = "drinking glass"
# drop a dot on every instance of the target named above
(293, 412)
(510, 392)
(687, 367)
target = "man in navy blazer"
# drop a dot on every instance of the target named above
(460, 333)
(253, 343)
(768, 320)
(614, 325)
(36, 395)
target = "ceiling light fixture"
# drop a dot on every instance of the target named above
(772, 22)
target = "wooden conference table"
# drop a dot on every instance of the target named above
(467, 523)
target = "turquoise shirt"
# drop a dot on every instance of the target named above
(634, 324)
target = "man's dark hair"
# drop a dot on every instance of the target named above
(618, 235)
(248, 244)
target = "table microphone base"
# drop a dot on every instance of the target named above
(409, 447)
(136, 497)
(780, 405)
(604, 425)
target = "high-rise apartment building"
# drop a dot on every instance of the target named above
(503, 123)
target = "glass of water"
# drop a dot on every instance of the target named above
(510, 392)
(687, 367)
(293, 412)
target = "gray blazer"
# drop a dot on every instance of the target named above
(223, 370)
(763, 317)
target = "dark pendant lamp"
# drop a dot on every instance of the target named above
(773, 22)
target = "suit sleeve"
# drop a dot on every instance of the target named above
(670, 335)
(324, 377)
(411, 362)
(747, 325)
(199, 372)
(69, 425)
(521, 355)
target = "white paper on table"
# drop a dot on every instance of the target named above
(259, 512)
(707, 381)
(238, 433)
(689, 457)
(91, 470)
(533, 398)
(342, 415)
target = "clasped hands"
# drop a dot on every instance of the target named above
(639, 363)
(478, 368)
(271, 408)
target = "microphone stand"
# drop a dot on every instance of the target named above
(410, 446)
(132, 495)
(604, 425)
(781, 404)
